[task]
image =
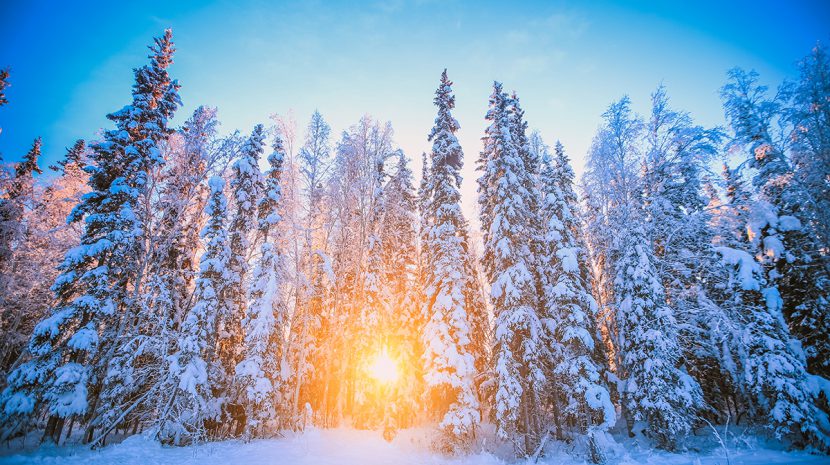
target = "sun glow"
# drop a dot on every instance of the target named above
(383, 368)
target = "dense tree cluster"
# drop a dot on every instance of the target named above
(208, 286)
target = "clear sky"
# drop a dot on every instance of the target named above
(71, 61)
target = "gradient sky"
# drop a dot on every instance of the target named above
(71, 62)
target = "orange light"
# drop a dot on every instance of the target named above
(383, 368)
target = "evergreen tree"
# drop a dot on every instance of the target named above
(449, 364)
(18, 196)
(518, 350)
(246, 188)
(656, 390)
(399, 241)
(180, 200)
(773, 369)
(18, 201)
(678, 225)
(809, 115)
(192, 385)
(70, 350)
(259, 371)
(580, 365)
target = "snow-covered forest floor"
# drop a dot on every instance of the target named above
(345, 446)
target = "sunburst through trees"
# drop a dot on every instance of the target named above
(237, 286)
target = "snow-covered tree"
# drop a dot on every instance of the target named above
(577, 349)
(774, 373)
(677, 153)
(314, 166)
(449, 363)
(655, 388)
(259, 371)
(399, 240)
(246, 187)
(18, 196)
(180, 200)
(71, 350)
(518, 352)
(190, 390)
(20, 256)
(176, 200)
(809, 115)
(785, 250)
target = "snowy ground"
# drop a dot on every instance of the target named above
(346, 447)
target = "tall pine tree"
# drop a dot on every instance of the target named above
(71, 350)
(449, 363)
(518, 354)
(259, 372)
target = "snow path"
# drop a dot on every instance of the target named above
(352, 447)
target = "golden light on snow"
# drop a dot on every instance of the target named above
(383, 368)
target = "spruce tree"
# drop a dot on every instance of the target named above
(577, 349)
(18, 196)
(449, 363)
(655, 389)
(678, 225)
(180, 199)
(399, 241)
(809, 115)
(259, 371)
(190, 399)
(518, 351)
(246, 188)
(70, 351)
(18, 203)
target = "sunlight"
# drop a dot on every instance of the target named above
(383, 368)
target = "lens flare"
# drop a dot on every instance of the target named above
(383, 368)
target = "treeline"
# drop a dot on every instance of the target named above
(193, 294)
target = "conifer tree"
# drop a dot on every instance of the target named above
(655, 389)
(18, 197)
(518, 351)
(577, 349)
(18, 202)
(399, 241)
(259, 371)
(809, 115)
(449, 363)
(246, 188)
(181, 194)
(192, 386)
(70, 349)
(678, 225)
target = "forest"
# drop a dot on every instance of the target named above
(196, 286)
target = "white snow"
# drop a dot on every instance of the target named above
(361, 447)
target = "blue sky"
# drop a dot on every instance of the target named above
(71, 61)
